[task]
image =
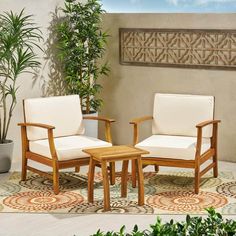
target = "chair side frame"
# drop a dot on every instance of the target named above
(53, 162)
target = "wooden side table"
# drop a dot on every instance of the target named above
(106, 155)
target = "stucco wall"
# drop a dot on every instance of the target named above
(129, 90)
(31, 86)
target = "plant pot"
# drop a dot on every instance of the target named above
(91, 126)
(6, 150)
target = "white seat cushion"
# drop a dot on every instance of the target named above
(63, 112)
(67, 148)
(167, 146)
(178, 114)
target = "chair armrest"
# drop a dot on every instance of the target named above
(98, 118)
(208, 122)
(140, 119)
(107, 125)
(199, 135)
(50, 136)
(44, 126)
(135, 122)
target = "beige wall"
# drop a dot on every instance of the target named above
(47, 79)
(129, 90)
(29, 86)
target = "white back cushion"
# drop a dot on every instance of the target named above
(63, 112)
(178, 114)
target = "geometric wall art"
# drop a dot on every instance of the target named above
(186, 48)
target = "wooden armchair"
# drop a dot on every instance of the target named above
(184, 134)
(52, 134)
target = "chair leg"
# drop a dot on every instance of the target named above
(215, 169)
(156, 168)
(112, 173)
(197, 180)
(134, 173)
(55, 177)
(77, 169)
(24, 168)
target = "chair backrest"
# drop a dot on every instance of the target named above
(178, 114)
(63, 112)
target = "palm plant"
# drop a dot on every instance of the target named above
(81, 44)
(18, 38)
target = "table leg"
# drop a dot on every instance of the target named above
(156, 168)
(112, 173)
(77, 169)
(133, 171)
(91, 179)
(106, 186)
(140, 182)
(124, 177)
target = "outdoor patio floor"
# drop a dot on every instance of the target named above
(14, 224)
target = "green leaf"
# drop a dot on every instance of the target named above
(122, 230)
(81, 44)
(18, 39)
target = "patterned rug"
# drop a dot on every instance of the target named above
(165, 193)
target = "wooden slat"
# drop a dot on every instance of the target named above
(74, 162)
(38, 158)
(208, 122)
(136, 134)
(38, 125)
(62, 164)
(207, 169)
(99, 118)
(115, 152)
(199, 144)
(140, 119)
(42, 173)
(108, 132)
(168, 162)
(118, 157)
(207, 155)
(52, 148)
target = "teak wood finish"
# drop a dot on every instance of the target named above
(173, 162)
(54, 162)
(106, 155)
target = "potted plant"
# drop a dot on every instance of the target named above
(18, 38)
(81, 43)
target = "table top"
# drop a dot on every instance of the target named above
(115, 152)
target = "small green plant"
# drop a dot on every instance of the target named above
(212, 225)
(81, 43)
(18, 38)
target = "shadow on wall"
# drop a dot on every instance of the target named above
(54, 85)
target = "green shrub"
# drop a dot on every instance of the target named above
(212, 225)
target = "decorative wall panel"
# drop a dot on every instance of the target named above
(189, 48)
